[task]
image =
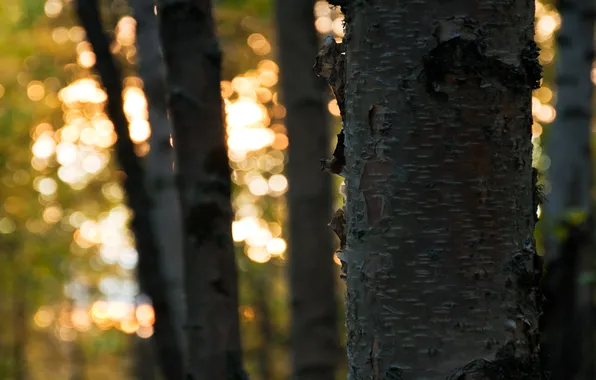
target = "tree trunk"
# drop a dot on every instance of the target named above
(77, 361)
(262, 285)
(160, 174)
(19, 324)
(568, 212)
(440, 212)
(149, 266)
(193, 63)
(144, 357)
(314, 335)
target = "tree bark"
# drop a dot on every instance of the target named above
(166, 213)
(144, 357)
(314, 335)
(569, 210)
(440, 212)
(149, 266)
(193, 64)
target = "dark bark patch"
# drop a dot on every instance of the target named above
(234, 366)
(538, 196)
(532, 68)
(502, 369)
(216, 162)
(375, 172)
(337, 162)
(201, 219)
(372, 111)
(394, 373)
(459, 60)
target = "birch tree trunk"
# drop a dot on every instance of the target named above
(166, 215)
(440, 212)
(193, 64)
(568, 212)
(314, 336)
(140, 201)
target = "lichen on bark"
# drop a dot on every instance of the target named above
(441, 280)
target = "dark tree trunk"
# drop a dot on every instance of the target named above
(568, 214)
(314, 336)
(193, 63)
(161, 184)
(149, 267)
(144, 357)
(440, 212)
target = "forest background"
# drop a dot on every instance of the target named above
(69, 300)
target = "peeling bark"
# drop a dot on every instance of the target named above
(149, 266)
(314, 334)
(166, 215)
(440, 198)
(193, 64)
(569, 242)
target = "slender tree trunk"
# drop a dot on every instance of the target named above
(151, 277)
(20, 330)
(166, 213)
(568, 212)
(144, 357)
(314, 335)
(440, 213)
(77, 361)
(261, 285)
(193, 63)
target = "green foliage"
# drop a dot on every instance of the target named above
(260, 8)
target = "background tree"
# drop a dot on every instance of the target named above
(159, 164)
(193, 62)
(568, 212)
(150, 273)
(440, 212)
(314, 339)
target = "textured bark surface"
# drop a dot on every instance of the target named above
(161, 185)
(314, 334)
(193, 62)
(440, 212)
(569, 249)
(149, 266)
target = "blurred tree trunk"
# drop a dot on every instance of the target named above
(440, 212)
(160, 174)
(151, 278)
(20, 329)
(568, 212)
(77, 361)
(314, 335)
(193, 63)
(261, 286)
(144, 357)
